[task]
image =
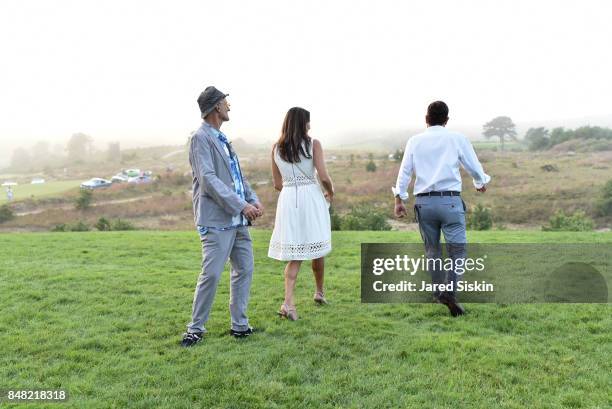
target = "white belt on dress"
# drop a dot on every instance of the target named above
(299, 181)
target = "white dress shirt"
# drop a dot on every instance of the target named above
(435, 157)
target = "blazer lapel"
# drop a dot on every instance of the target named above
(217, 144)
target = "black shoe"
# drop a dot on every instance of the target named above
(191, 338)
(451, 302)
(241, 334)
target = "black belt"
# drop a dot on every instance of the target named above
(445, 193)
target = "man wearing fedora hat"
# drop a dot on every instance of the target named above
(224, 206)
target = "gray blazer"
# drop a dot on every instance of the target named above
(215, 201)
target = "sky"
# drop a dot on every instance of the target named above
(131, 71)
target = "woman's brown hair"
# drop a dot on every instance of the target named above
(294, 139)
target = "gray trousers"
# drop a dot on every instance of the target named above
(217, 247)
(444, 214)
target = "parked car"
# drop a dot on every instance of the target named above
(96, 183)
(140, 179)
(132, 172)
(38, 181)
(119, 178)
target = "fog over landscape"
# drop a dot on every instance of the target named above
(131, 71)
(440, 273)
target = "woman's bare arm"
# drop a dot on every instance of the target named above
(276, 175)
(319, 163)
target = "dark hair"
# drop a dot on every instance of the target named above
(293, 133)
(437, 113)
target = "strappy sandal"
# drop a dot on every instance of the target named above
(288, 312)
(319, 298)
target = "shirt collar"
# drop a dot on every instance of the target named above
(212, 128)
(435, 128)
(215, 131)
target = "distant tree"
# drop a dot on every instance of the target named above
(21, 159)
(371, 166)
(593, 132)
(352, 159)
(560, 135)
(114, 152)
(58, 150)
(79, 146)
(501, 127)
(537, 139)
(40, 151)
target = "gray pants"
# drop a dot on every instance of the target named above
(445, 214)
(217, 247)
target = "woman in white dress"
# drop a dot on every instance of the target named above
(302, 229)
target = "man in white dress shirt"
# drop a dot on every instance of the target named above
(434, 157)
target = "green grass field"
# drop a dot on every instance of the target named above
(25, 191)
(101, 315)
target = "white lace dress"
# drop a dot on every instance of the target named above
(302, 229)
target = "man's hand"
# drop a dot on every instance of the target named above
(482, 189)
(260, 208)
(400, 209)
(251, 212)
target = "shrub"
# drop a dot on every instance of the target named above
(371, 166)
(364, 218)
(576, 222)
(549, 168)
(601, 146)
(604, 205)
(79, 226)
(83, 202)
(60, 228)
(6, 213)
(336, 220)
(103, 224)
(479, 218)
(122, 225)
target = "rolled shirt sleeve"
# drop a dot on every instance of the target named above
(470, 162)
(405, 174)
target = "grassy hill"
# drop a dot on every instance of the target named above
(101, 314)
(26, 191)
